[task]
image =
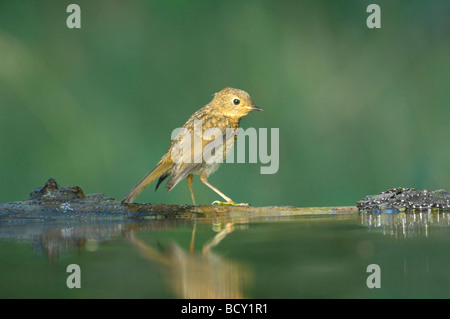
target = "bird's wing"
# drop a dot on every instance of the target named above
(207, 149)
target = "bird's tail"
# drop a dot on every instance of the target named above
(160, 169)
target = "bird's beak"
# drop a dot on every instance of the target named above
(255, 108)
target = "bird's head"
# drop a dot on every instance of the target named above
(234, 103)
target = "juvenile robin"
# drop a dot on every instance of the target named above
(203, 143)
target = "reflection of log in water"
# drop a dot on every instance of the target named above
(410, 224)
(406, 212)
(52, 238)
(196, 276)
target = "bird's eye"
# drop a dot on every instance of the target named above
(236, 101)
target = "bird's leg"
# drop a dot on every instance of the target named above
(204, 180)
(191, 246)
(189, 180)
(218, 238)
(229, 201)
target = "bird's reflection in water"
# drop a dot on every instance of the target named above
(189, 273)
(197, 275)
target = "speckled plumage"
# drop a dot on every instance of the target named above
(221, 116)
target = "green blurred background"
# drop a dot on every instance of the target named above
(359, 110)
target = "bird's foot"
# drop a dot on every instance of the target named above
(216, 202)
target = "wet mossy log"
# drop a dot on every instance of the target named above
(52, 201)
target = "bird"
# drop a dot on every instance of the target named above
(201, 145)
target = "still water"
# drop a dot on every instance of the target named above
(323, 255)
